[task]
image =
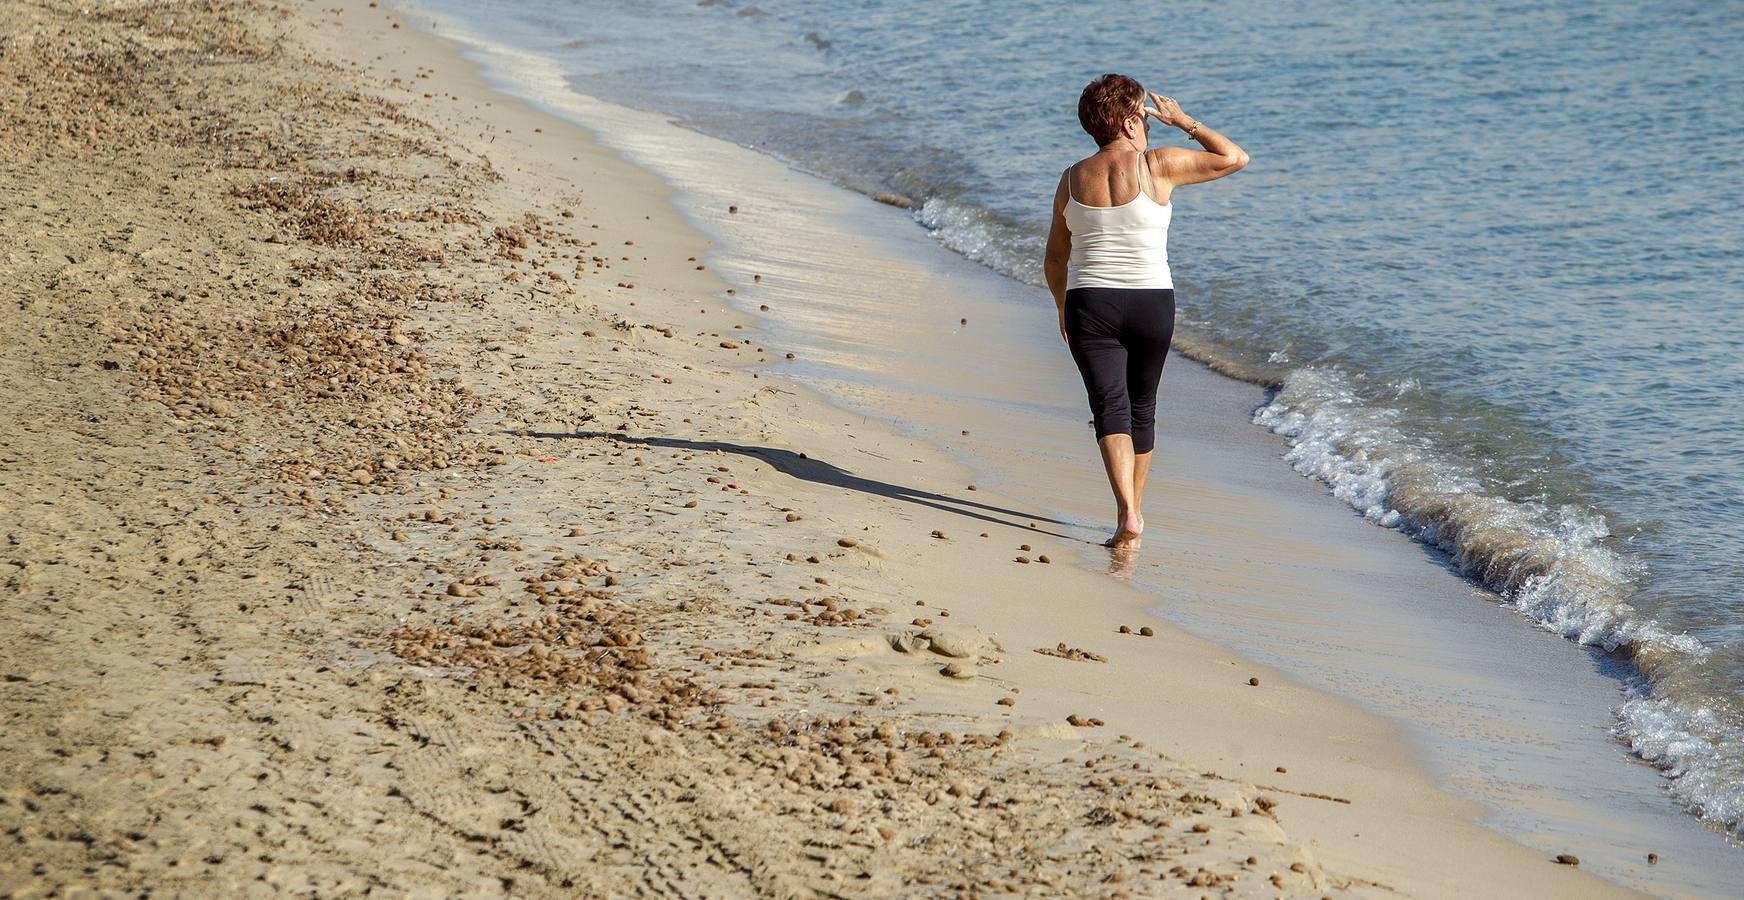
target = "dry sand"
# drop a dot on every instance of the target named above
(383, 512)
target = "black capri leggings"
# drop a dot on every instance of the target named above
(1119, 339)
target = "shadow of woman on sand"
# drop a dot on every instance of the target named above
(798, 465)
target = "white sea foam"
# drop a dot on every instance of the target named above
(1689, 746)
(1549, 563)
(978, 234)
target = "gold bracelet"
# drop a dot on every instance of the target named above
(1193, 130)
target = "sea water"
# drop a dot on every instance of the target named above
(1484, 254)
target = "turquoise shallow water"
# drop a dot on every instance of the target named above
(1485, 252)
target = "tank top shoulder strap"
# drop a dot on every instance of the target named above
(1143, 174)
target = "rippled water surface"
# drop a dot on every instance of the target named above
(1487, 253)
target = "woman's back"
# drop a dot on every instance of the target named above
(1116, 244)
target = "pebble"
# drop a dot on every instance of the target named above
(957, 670)
(847, 542)
(1253, 682)
(1567, 859)
(1125, 629)
(1043, 559)
(1653, 859)
(1148, 631)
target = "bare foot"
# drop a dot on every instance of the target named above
(1122, 540)
(1126, 533)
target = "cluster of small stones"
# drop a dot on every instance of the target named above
(312, 215)
(565, 580)
(583, 657)
(544, 244)
(305, 208)
(821, 611)
(347, 377)
(76, 82)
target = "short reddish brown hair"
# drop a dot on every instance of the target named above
(1105, 104)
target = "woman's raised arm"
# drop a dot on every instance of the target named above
(1180, 165)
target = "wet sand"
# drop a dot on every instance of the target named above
(396, 503)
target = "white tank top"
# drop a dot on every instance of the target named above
(1125, 246)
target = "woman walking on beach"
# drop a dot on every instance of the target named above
(1107, 265)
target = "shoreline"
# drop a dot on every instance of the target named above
(391, 623)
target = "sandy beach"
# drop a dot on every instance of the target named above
(396, 501)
